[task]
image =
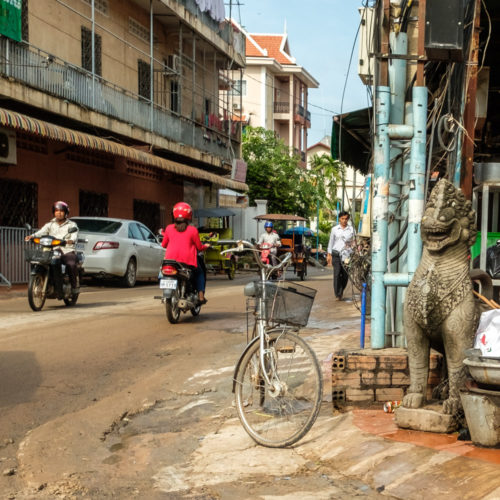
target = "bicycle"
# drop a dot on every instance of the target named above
(277, 380)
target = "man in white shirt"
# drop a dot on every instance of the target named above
(339, 249)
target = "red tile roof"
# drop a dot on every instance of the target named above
(275, 45)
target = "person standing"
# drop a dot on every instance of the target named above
(339, 249)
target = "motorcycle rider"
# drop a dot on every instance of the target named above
(270, 237)
(182, 243)
(59, 227)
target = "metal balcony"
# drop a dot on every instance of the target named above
(281, 107)
(40, 70)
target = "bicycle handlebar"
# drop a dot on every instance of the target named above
(246, 246)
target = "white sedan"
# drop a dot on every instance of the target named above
(118, 247)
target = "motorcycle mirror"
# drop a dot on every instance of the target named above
(72, 229)
(28, 226)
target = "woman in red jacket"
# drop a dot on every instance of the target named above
(182, 243)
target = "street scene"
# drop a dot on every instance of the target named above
(249, 250)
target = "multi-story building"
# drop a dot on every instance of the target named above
(114, 106)
(273, 90)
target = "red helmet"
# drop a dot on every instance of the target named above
(183, 211)
(60, 205)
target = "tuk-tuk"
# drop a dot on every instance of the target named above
(292, 240)
(217, 228)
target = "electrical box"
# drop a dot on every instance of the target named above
(8, 152)
(444, 30)
(366, 30)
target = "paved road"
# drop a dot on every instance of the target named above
(107, 399)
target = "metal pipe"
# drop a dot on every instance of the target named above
(396, 279)
(397, 131)
(363, 316)
(380, 206)
(151, 64)
(417, 177)
(93, 51)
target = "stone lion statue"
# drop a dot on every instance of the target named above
(440, 311)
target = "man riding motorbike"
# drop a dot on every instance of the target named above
(182, 243)
(59, 227)
(270, 238)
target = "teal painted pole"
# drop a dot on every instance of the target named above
(380, 206)
(417, 178)
(317, 229)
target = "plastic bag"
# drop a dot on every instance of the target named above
(488, 334)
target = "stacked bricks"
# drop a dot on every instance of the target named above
(362, 377)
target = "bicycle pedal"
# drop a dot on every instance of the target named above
(286, 349)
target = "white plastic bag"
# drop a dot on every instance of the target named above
(488, 334)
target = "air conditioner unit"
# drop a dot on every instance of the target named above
(366, 49)
(236, 106)
(8, 146)
(172, 64)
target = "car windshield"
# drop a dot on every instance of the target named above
(97, 225)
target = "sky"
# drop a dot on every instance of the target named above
(321, 34)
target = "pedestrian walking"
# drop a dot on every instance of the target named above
(339, 249)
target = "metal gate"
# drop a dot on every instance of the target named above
(12, 264)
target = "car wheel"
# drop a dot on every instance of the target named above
(130, 276)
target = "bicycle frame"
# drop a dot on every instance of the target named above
(265, 270)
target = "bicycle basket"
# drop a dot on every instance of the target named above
(286, 302)
(37, 255)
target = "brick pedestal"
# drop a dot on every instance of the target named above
(361, 377)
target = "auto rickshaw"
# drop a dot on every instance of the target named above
(292, 240)
(217, 229)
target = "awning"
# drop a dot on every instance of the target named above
(356, 140)
(213, 212)
(30, 125)
(280, 217)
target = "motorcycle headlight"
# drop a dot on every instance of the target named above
(47, 242)
(250, 290)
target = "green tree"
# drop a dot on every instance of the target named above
(276, 176)
(328, 173)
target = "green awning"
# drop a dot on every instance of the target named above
(356, 139)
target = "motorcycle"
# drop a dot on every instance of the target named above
(179, 291)
(265, 257)
(48, 276)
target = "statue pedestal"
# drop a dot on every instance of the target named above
(428, 419)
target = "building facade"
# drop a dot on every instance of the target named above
(273, 92)
(114, 106)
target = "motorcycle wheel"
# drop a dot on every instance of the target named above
(36, 297)
(71, 300)
(172, 309)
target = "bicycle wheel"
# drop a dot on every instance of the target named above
(279, 415)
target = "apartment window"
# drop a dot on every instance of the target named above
(101, 6)
(207, 107)
(24, 21)
(138, 30)
(239, 88)
(19, 203)
(93, 204)
(144, 83)
(87, 51)
(174, 96)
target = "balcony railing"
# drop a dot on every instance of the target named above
(299, 110)
(47, 73)
(281, 107)
(225, 29)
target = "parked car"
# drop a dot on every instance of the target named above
(118, 248)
